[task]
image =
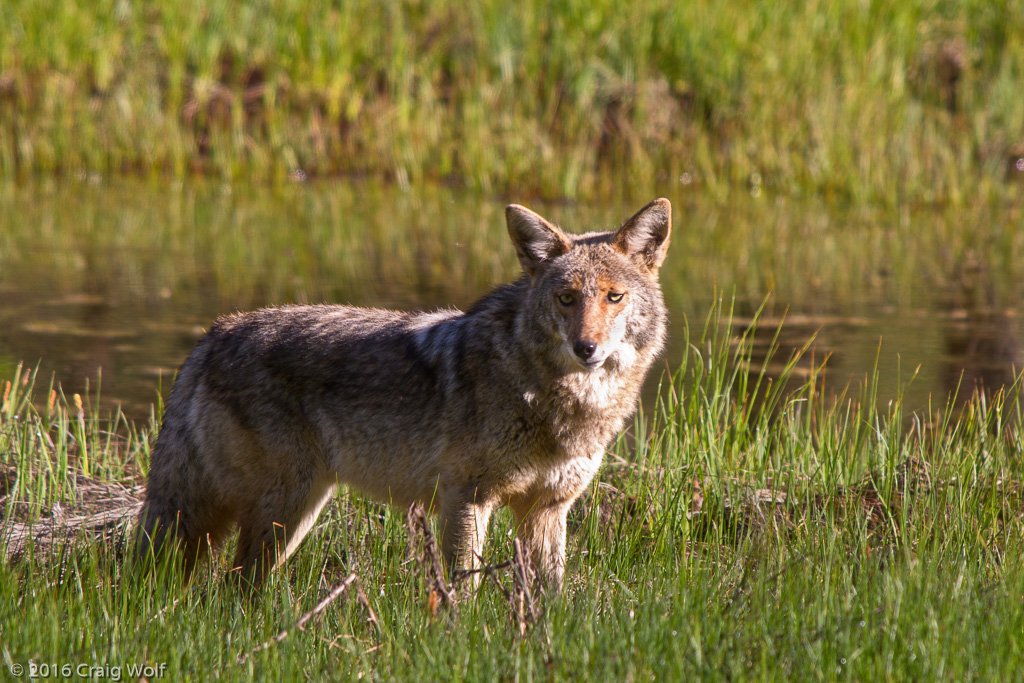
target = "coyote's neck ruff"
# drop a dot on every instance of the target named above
(511, 403)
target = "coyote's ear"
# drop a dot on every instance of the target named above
(644, 237)
(534, 238)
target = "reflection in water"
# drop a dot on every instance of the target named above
(980, 352)
(806, 343)
(122, 278)
(981, 339)
(799, 347)
(978, 348)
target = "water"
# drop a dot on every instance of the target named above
(112, 282)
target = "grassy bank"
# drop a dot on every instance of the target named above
(884, 101)
(790, 538)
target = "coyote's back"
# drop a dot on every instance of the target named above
(511, 403)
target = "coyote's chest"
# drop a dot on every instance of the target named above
(580, 414)
(594, 395)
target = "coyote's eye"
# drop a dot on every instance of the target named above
(565, 299)
(615, 297)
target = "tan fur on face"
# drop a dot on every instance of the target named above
(593, 317)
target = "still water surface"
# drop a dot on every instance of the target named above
(114, 281)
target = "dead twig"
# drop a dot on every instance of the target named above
(427, 555)
(488, 569)
(522, 593)
(335, 593)
(371, 616)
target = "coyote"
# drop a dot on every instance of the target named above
(510, 403)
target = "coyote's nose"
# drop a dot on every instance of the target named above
(584, 349)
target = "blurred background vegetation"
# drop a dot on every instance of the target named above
(860, 163)
(886, 101)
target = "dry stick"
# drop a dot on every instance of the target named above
(322, 605)
(301, 623)
(371, 616)
(418, 524)
(488, 569)
(521, 579)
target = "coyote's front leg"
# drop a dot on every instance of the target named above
(542, 531)
(463, 530)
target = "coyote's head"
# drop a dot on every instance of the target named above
(596, 294)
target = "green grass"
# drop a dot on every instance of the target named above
(740, 529)
(886, 101)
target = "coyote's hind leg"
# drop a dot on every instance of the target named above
(275, 526)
